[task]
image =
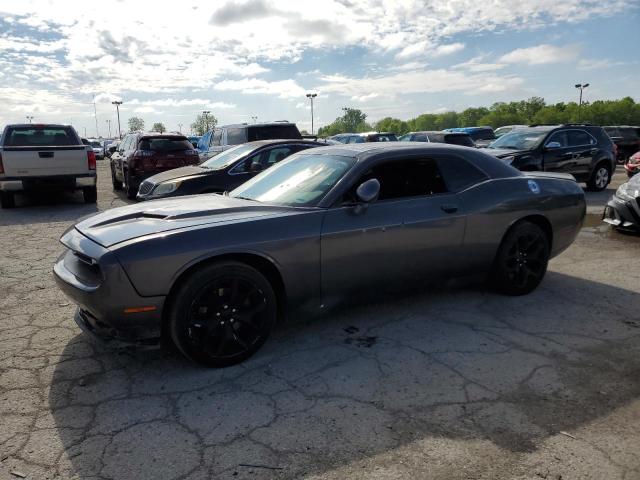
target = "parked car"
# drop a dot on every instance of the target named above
(141, 155)
(623, 209)
(227, 136)
(627, 140)
(584, 151)
(481, 136)
(213, 273)
(194, 139)
(454, 138)
(40, 157)
(498, 132)
(365, 137)
(97, 148)
(632, 166)
(112, 147)
(224, 172)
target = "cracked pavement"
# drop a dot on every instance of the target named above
(456, 382)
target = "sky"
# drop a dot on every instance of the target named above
(169, 61)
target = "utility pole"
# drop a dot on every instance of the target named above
(311, 96)
(117, 103)
(95, 115)
(29, 117)
(180, 127)
(254, 118)
(206, 118)
(109, 123)
(580, 86)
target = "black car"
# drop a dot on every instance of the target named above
(224, 172)
(626, 138)
(365, 137)
(453, 138)
(623, 210)
(584, 151)
(222, 138)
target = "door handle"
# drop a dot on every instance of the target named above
(449, 208)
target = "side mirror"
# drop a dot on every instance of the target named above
(368, 191)
(255, 167)
(552, 145)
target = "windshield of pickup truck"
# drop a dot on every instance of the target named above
(40, 136)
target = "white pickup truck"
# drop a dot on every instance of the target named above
(36, 157)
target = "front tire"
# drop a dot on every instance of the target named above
(522, 259)
(600, 178)
(222, 314)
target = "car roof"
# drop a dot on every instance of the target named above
(252, 125)
(158, 134)
(441, 132)
(56, 125)
(283, 140)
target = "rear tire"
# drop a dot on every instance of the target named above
(7, 200)
(521, 261)
(222, 314)
(116, 184)
(600, 178)
(90, 194)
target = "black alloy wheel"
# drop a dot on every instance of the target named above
(222, 314)
(522, 259)
(600, 178)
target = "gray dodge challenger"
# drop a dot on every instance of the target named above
(213, 273)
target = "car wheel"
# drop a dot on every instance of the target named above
(90, 194)
(600, 178)
(7, 200)
(116, 184)
(522, 259)
(129, 189)
(222, 314)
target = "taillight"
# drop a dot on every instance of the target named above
(91, 160)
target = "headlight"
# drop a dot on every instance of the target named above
(508, 160)
(627, 192)
(166, 187)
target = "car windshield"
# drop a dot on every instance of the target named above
(95, 143)
(226, 158)
(301, 180)
(485, 134)
(519, 140)
(405, 138)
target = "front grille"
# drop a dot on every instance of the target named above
(145, 188)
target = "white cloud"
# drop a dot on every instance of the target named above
(599, 64)
(282, 88)
(542, 54)
(448, 49)
(478, 64)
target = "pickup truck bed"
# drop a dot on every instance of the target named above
(44, 157)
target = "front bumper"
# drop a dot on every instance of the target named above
(109, 307)
(52, 182)
(623, 214)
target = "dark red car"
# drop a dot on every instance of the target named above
(141, 155)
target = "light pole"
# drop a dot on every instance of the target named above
(254, 118)
(95, 115)
(311, 96)
(117, 103)
(29, 117)
(580, 86)
(206, 118)
(180, 127)
(109, 123)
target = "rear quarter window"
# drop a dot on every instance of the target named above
(45, 136)
(272, 132)
(459, 173)
(464, 140)
(236, 136)
(160, 144)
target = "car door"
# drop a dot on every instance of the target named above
(558, 156)
(412, 231)
(583, 149)
(118, 156)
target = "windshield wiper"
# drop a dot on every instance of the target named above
(246, 198)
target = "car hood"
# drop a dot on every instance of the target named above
(188, 171)
(504, 152)
(160, 216)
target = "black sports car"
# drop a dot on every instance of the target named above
(214, 272)
(623, 209)
(224, 172)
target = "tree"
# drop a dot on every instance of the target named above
(204, 122)
(393, 125)
(159, 127)
(353, 121)
(136, 124)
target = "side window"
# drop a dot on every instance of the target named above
(217, 136)
(245, 166)
(275, 155)
(580, 137)
(420, 137)
(126, 142)
(459, 173)
(236, 136)
(405, 178)
(560, 137)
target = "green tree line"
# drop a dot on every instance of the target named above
(533, 110)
